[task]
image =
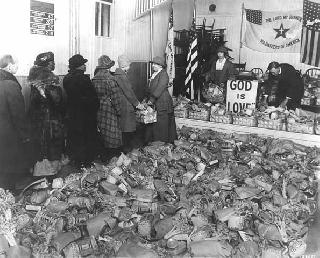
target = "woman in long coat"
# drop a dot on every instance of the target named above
(82, 107)
(109, 111)
(129, 102)
(46, 110)
(13, 126)
(165, 128)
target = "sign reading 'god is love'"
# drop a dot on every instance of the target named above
(241, 95)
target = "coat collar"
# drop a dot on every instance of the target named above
(6, 76)
(101, 74)
(119, 71)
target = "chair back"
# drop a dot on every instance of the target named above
(313, 72)
(240, 66)
(257, 71)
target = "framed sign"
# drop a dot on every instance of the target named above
(241, 95)
(41, 18)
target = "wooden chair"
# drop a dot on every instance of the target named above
(313, 72)
(240, 66)
(257, 71)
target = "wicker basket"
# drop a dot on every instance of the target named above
(274, 124)
(245, 120)
(148, 118)
(202, 114)
(182, 113)
(297, 127)
(225, 119)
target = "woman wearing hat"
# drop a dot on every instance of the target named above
(222, 69)
(165, 128)
(46, 110)
(82, 107)
(14, 134)
(129, 103)
(110, 107)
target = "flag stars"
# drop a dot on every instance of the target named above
(281, 32)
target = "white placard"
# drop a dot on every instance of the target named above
(241, 95)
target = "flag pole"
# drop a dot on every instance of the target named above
(242, 12)
(195, 21)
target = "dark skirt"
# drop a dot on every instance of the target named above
(163, 130)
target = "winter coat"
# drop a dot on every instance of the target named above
(46, 113)
(13, 126)
(82, 107)
(128, 102)
(165, 128)
(222, 76)
(109, 112)
(290, 85)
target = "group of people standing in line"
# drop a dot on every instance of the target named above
(83, 119)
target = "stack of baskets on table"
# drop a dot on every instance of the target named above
(219, 114)
(245, 118)
(274, 120)
(301, 125)
(199, 112)
(181, 107)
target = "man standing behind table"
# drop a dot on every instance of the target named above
(82, 108)
(129, 103)
(290, 86)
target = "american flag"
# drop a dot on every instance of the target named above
(170, 53)
(192, 59)
(254, 16)
(310, 38)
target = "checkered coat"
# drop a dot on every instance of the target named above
(110, 107)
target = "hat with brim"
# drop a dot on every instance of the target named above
(44, 59)
(76, 61)
(223, 49)
(159, 61)
(105, 62)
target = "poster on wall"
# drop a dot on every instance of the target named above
(41, 18)
(273, 32)
(241, 95)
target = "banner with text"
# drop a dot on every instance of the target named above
(241, 95)
(276, 32)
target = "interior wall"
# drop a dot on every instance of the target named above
(17, 40)
(228, 15)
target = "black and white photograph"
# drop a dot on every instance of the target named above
(160, 128)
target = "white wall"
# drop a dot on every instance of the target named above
(228, 15)
(16, 38)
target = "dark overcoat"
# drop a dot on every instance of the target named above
(13, 126)
(165, 128)
(227, 71)
(128, 102)
(110, 108)
(82, 107)
(290, 85)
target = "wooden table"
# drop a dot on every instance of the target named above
(305, 139)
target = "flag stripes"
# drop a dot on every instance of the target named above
(310, 37)
(192, 60)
